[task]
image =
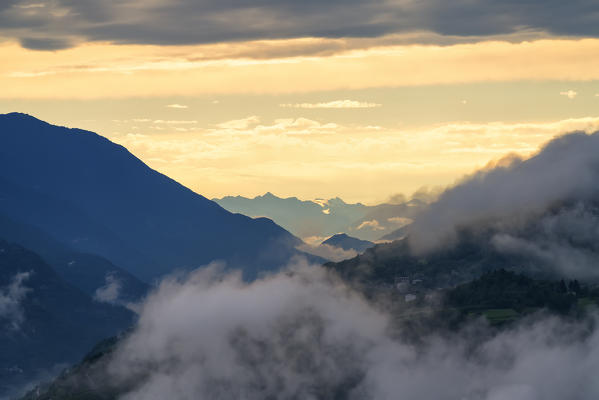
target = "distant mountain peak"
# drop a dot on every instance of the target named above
(17, 114)
(321, 217)
(22, 117)
(346, 242)
(339, 236)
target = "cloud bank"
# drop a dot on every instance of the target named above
(302, 334)
(567, 168)
(544, 207)
(328, 252)
(56, 24)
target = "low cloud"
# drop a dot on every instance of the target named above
(181, 106)
(565, 168)
(373, 225)
(11, 298)
(544, 207)
(334, 104)
(303, 334)
(423, 194)
(111, 291)
(400, 221)
(328, 252)
(427, 194)
(314, 240)
(563, 242)
(398, 198)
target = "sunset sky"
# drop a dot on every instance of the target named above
(356, 99)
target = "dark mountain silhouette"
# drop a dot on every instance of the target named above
(44, 321)
(346, 242)
(87, 272)
(95, 196)
(384, 264)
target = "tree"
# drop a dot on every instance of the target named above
(562, 287)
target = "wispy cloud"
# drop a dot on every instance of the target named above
(32, 5)
(181, 106)
(175, 122)
(306, 156)
(242, 123)
(11, 298)
(569, 94)
(372, 225)
(334, 104)
(401, 221)
(326, 251)
(110, 292)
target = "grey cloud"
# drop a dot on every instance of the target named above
(303, 334)
(11, 298)
(45, 44)
(110, 292)
(565, 241)
(328, 252)
(513, 192)
(5, 5)
(190, 22)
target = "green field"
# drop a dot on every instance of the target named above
(500, 315)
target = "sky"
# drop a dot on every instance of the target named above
(356, 99)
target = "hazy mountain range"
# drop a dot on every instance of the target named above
(324, 218)
(496, 275)
(96, 197)
(86, 229)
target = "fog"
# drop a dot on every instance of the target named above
(543, 208)
(110, 292)
(328, 252)
(302, 334)
(513, 190)
(11, 298)
(564, 242)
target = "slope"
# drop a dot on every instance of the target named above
(44, 322)
(95, 196)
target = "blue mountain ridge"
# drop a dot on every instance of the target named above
(96, 197)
